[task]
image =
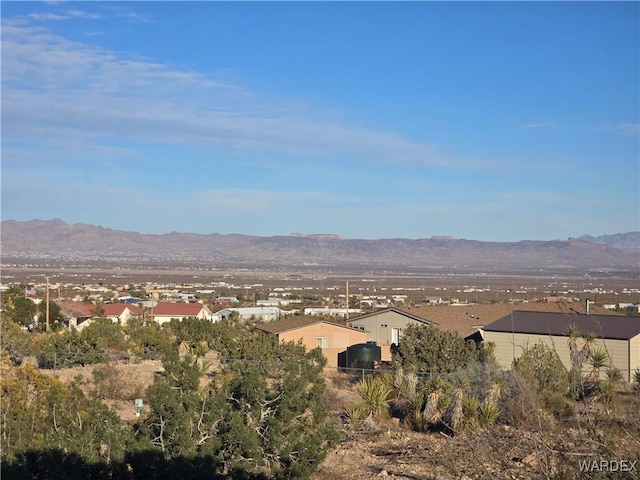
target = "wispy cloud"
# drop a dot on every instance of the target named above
(540, 125)
(66, 15)
(624, 129)
(58, 88)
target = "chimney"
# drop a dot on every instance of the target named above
(587, 306)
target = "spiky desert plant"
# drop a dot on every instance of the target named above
(436, 388)
(414, 418)
(598, 359)
(375, 395)
(357, 413)
(460, 387)
(470, 409)
(614, 375)
(589, 344)
(406, 383)
(488, 413)
(494, 392)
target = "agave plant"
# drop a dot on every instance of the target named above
(488, 413)
(470, 409)
(375, 395)
(357, 413)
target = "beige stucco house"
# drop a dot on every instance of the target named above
(618, 335)
(332, 338)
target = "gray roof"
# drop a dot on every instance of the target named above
(410, 316)
(615, 327)
(295, 322)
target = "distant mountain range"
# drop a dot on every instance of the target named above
(56, 242)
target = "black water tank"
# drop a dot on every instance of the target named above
(363, 355)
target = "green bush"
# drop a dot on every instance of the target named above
(429, 349)
(262, 415)
(558, 405)
(148, 341)
(542, 367)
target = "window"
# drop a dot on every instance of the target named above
(322, 342)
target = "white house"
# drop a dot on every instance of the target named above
(264, 314)
(163, 312)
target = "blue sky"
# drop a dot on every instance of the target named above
(488, 121)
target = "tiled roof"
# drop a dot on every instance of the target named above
(544, 323)
(76, 309)
(292, 323)
(178, 309)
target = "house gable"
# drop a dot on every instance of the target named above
(385, 326)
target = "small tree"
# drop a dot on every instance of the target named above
(22, 310)
(263, 415)
(16, 343)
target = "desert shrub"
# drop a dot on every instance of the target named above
(520, 402)
(109, 382)
(456, 413)
(429, 349)
(40, 413)
(193, 331)
(437, 400)
(357, 413)
(558, 405)
(262, 417)
(150, 341)
(470, 411)
(65, 349)
(103, 335)
(542, 366)
(16, 343)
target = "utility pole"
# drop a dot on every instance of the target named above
(347, 295)
(47, 306)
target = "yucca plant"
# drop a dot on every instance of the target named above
(436, 388)
(357, 413)
(406, 383)
(494, 392)
(488, 413)
(375, 395)
(414, 418)
(460, 386)
(470, 410)
(598, 359)
(614, 375)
